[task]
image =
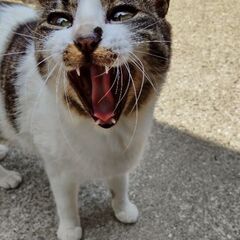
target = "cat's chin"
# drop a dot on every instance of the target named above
(102, 92)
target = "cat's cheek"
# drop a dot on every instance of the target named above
(57, 43)
(117, 38)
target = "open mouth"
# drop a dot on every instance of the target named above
(102, 92)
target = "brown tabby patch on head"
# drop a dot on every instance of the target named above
(64, 5)
(8, 70)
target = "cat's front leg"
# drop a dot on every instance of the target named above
(124, 210)
(65, 190)
(8, 179)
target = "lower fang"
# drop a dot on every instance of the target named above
(113, 121)
(98, 122)
(78, 72)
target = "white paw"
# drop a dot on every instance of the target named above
(9, 179)
(127, 213)
(69, 233)
(3, 151)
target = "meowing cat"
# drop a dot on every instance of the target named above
(79, 78)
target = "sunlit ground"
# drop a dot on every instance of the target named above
(202, 93)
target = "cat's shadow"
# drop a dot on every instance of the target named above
(178, 169)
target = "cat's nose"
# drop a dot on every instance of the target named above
(88, 44)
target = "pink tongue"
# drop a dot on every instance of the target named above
(102, 98)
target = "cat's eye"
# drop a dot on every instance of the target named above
(60, 19)
(121, 13)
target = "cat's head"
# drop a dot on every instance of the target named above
(105, 56)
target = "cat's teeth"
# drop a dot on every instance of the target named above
(114, 121)
(98, 122)
(106, 70)
(78, 72)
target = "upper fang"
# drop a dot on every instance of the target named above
(106, 69)
(78, 72)
(113, 121)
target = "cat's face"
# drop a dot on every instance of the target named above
(109, 54)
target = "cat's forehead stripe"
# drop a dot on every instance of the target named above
(65, 3)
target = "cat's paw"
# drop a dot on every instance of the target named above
(3, 151)
(9, 179)
(69, 233)
(128, 213)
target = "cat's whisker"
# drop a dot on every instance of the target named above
(114, 82)
(121, 99)
(117, 75)
(153, 55)
(34, 32)
(57, 79)
(110, 87)
(150, 25)
(142, 83)
(9, 54)
(35, 106)
(120, 76)
(138, 28)
(23, 52)
(140, 42)
(136, 121)
(27, 36)
(66, 95)
(134, 56)
(44, 60)
(121, 79)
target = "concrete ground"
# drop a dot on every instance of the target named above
(188, 186)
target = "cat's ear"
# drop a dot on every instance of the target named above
(162, 7)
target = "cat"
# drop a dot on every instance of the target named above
(80, 80)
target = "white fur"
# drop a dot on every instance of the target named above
(118, 38)
(89, 15)
(8, 179)
(74, 149)
(10, 18)
(3, 151)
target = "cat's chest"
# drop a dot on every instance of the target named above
(80, 146)
(92, 152)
